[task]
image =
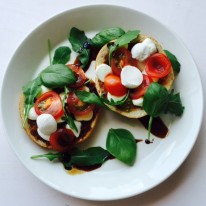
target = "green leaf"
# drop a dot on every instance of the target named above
(30, 91)
(92, 98)
(155, 99)
(78, 40)
(69, 120)
(57, 75)
(105, 36)
(122, 145)
(123, 40)
(84, 57)
(158, 100)
(174, 105)
(50, 156)
(61, 55)
(115, 103)
(175, 63)
(90, 156)
(89, 97)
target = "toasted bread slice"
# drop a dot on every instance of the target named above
(130, 110)
(31, 127)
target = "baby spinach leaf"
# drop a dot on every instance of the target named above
(89, 97)
(57, 75)
(123, 40)
(121, 144)
(90, 156)
(174, 104)
(92, 98)
(78, 40)
(67, 117)
(70, 121)
(105, 36)
(61, 55)
(77, 157)
(115, 103)
(30, 91)
(84, 56)
(158, 100)
(50, 156)
(155, 100)
(175, 63)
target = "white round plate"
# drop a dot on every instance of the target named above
(114, 180)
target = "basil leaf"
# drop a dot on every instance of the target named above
(57, 75)
(78, 40)
(175, 63)
(123, 40)
(50, 156)
(105, 36)
(90, 156)
(30, 91)
(155, 99)
(174, 105)
(121, 144)
(89, 97)
(61, 55)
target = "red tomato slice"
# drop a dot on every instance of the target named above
(62, 140)
(114, 86)
(49, 103)
(158, 65)
(141, 90)
(79, 73)
(120, 58)
(76, 106)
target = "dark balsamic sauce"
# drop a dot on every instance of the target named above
(159, 129)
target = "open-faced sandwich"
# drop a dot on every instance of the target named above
(123, 74)
(51, 113)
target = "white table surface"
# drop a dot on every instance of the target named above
(187, 186)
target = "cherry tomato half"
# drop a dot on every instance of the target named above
(62, 140)
(79, 73)
(158, 65)
(120, 58)
(49, 103)
(76, 106)
(114, 86)
(141, 90)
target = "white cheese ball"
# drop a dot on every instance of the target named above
(102, 71)
(32, 114)
(138, 102)
(46, 124)
(142, 51)
(111, 97)
(131, 77)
